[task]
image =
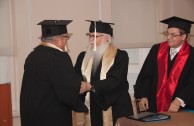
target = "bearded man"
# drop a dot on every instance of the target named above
(105, 69)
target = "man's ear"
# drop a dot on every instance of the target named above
(184, 36)
(107, 37)
(56, 40)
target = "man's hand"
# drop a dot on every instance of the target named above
(85, 87)
(143, 104)
(174, 106)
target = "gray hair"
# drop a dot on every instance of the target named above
(110, 40)
(47, 39)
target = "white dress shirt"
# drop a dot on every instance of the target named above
(173, 52)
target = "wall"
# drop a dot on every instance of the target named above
(133, 19)
(137, 21)
(6, 29)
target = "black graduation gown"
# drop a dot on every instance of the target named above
(110, 92)
(146, 84)
(50, 89)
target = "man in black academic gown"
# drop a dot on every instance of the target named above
(105, 68)
(50, 86)
(166, 80)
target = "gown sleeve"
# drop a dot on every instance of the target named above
(185, 90)
(109, 90)
(147, 75)
(66, 82)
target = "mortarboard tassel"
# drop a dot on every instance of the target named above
(94, 48)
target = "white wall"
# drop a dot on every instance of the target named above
(136, 60)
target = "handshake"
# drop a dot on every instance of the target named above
(85, 86)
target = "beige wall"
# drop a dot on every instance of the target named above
(137, 21)
(136, 26)
(133, 19)
(185, 8)
(5, 25)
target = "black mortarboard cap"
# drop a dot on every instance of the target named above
(180, 23)
(54, 27)
(102, 27)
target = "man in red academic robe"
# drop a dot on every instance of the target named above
(166, 80)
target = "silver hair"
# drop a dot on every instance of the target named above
(47, 39)
(110, 38)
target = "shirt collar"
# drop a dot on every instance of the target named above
(177, 49)
(51, 45)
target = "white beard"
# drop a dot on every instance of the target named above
(97, 55)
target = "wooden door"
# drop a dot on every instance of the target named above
(5, 105)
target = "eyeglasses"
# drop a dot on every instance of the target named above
(92, 36)
(66, 36)
(173, 35)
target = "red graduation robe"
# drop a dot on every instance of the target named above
(147, 81)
